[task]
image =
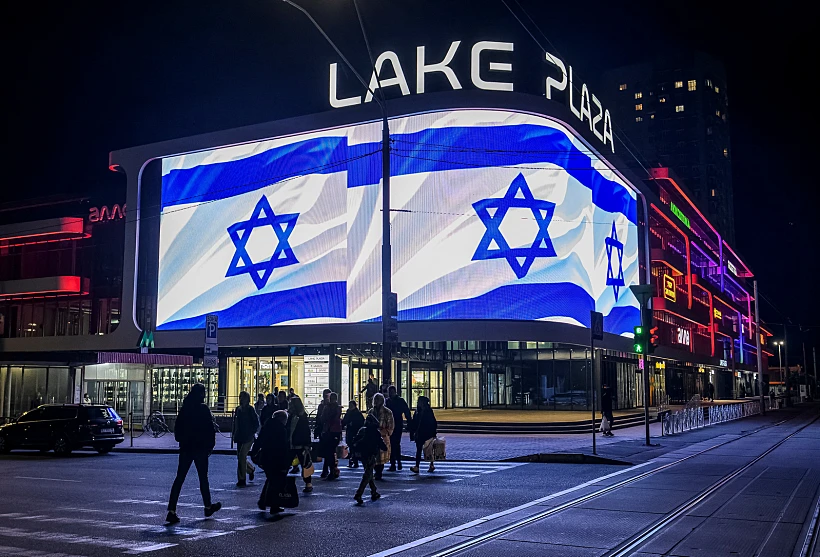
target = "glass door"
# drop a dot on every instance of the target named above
(496, 388)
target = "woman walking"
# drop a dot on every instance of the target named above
(272, 451)
(195, 433)
(423, 428)
(352, 422)
(300, 443)
(367, 444)
(331, 435)
(386, 426)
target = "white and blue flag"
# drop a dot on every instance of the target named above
(495, 215)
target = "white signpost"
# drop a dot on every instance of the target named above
(211, 358)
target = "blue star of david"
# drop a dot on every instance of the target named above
(282, 256)
(519, 259)
(616, 282)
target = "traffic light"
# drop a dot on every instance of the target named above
(653, 340)
(640, 340)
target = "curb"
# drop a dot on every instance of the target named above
(567, 458)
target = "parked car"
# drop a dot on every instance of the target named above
(64, 428)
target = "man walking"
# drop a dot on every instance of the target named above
(245, 426)
(367, 445)
(399, 407)
(195, 433)
(369, 390)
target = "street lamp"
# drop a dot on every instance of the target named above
(387, 287)
(779, 343)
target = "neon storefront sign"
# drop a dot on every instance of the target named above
(103, 214)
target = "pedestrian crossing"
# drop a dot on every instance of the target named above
(133, 525)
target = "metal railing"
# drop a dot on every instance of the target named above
(694, 416)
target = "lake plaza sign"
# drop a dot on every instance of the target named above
(583, 104)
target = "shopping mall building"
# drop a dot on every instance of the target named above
(511, 219)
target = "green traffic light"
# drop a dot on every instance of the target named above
(638, 348)
(638, 330)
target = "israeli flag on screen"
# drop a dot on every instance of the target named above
(495, 215)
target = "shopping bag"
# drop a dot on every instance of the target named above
(604, 424)
(440, 448)
(427, 448)
(288, 495)
(342, 451)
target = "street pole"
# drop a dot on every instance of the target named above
(387, 347)
(786, 352)
(759, 355)
(592, 389)
(643, 293)
(814, 356)
(780, 361)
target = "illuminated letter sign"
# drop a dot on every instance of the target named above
(102, 214)
(718, 314)
(731, 267)
(724, 363)
(683, 336)
(475, 66)
(678, 213)
(669, 288)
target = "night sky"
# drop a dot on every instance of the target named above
(83, 79)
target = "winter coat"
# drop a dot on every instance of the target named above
(400, 409)
(299, 431)
(332, 418)
(245, 424)
(423, 427)
(386, 425)
(272, 449)
(267, 412)
(352, 422)
(368, 441)
(318, 425)
(370, 389)
(606, 402)
(194, 429)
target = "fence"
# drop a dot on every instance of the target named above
(694, 416)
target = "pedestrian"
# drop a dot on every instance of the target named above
(317, 424)
(260, 404)
(352, 422)
(606, 409)
(272, 452)
(385, 417)
(399, 407)
(245, 426)
(423, 427)
(282, 400)
(368, 445)
(194, 431)
(292, 394)
(86, 399)
(369, 390)
(710, 391)
(299, 438)
(271, 406)
(331, 435)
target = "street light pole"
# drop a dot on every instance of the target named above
(759, 354)
(387, 282)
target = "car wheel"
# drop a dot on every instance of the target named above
(104, 449)
(61, 446)
(4, 445)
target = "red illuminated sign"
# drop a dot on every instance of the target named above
(103, 214)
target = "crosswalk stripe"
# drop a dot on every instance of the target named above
(10, 551)
(61, 537)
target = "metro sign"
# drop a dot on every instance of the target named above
(586, 106)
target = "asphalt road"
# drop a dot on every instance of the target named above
(89, 505)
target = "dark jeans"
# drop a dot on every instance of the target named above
(395, 447)
(200, 460)
(419, 449)
(367, 478)
(329, 443)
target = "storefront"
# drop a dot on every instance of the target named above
(26, 386)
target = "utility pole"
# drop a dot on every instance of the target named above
(759, 355)
(814, 356)
(643, 292)
(389, 332)
(786, 358)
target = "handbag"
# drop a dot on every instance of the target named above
(342, 451)
(440, 448)
(604, 424)
(288, 495)
(427, 448)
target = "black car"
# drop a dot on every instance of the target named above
(63, 428)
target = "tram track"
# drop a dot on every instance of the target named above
(639, 539)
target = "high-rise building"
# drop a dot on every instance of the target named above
(672, 112)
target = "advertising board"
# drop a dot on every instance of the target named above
(496, 214)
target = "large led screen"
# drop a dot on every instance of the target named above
(495, 214)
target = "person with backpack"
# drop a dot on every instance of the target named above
(367, 445)
(423, 427)
(194, 431)
(330, 437)
(245, 426)
(399, 407)
(300, 443)
(386, 426)
(272, 451)
(352, 422)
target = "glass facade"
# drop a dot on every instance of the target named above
(260, 374)
(25, 387)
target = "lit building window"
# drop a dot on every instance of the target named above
(639, 95)
(678, 84)
(638, 119)
(679, 108)
(639, 107)
(651, 116)
(622, 87)
(713, 192)
(708, 82)
(725, 152)
(662, 99)
(691, 85)
(717, 113)
(717, 89)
